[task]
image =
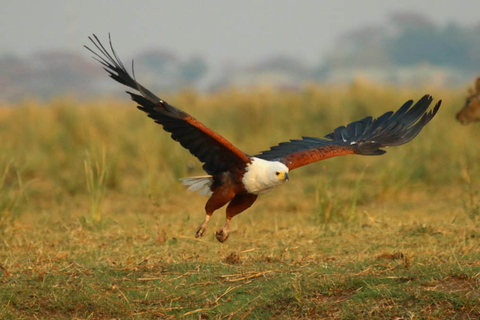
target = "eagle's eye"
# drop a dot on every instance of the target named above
(277, 173)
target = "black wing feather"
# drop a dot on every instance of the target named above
(217, 154)
(367, 136)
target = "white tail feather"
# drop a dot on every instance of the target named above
(202, 183)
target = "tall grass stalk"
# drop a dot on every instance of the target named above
(6, 201)
(325, 204)
(356, 191)
(471, 206)
(96, 177)
(11, 194)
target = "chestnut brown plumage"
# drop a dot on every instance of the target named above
(236, 178)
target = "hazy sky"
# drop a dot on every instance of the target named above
(221, 31)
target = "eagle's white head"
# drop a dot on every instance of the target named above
(263, 175)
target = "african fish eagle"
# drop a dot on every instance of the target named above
(237, 178)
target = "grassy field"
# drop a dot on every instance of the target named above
(94, 223)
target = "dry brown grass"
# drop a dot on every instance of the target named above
(354, 237)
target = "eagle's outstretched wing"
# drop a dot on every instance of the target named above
(365, 137)
(217, 154)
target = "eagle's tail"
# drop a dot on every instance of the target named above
(202, 183)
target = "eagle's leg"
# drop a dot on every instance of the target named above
(219, 198)
(238, 204)
(203, 226)
(223, 233)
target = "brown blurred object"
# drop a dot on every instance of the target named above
(471, 110)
